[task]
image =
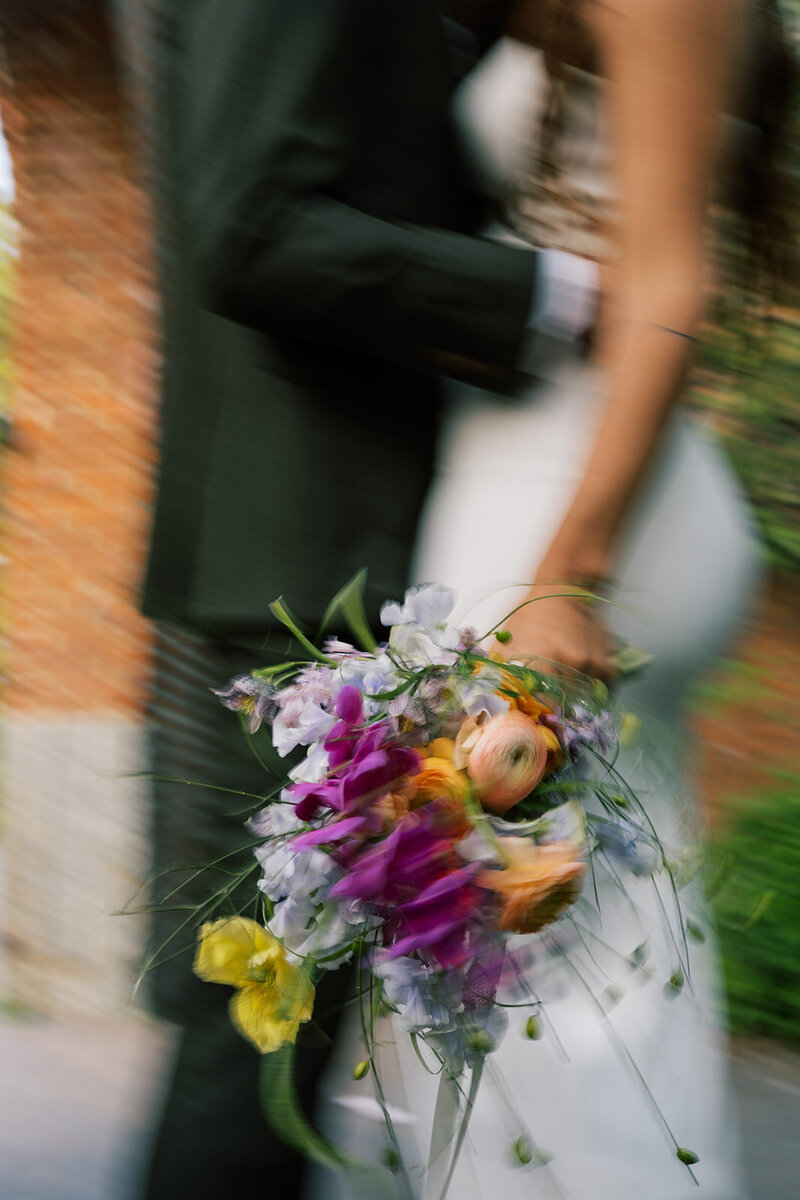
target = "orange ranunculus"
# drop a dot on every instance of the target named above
(443, 787)
(505, 757)
(439, 779)
(392, 808)
(533, 708)
(441, 747)
(555, 755)
(395, 805)
(524, 700)
(536, 886)
(468, 737)
(449, 818)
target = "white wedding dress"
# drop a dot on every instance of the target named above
(507, 469)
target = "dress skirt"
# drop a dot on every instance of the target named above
(631, 1060)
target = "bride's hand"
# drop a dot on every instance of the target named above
(566, 629)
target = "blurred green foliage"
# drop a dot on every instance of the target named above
(747, 387)
(757, 859)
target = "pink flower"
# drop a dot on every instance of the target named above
(505, 757)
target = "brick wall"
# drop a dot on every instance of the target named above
(76, 494)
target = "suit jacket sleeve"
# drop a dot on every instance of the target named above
(280, 92)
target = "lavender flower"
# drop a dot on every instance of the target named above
(304, 708)
(474, 1034)
(253, 697)
(582, 729)
(423, 998)
(627, 846)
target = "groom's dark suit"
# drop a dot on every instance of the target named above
(318, 266)
(318, 269)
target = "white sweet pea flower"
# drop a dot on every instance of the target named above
(291, 919)
(284, 870)
(418, 647)
(313, 767)
(289, 872)
(317, 930)
(428, 605)
(381, 676)
(371, 674)
(334, 647)
(479, 696)
(278, 817)
(299, 723)
(275, 859)
(419, 629)
(477, 1033)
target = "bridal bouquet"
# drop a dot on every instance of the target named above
(443, 799)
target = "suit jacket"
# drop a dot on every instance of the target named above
(318, 269)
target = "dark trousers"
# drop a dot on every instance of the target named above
(213, 1142)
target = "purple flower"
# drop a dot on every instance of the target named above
(468, 642)
(373, 772)
(396, 868)
(349, 707)
(428, 903)
(483, 977)
(582, 729)
(342, 739)
(364, 768)
(436, 922)
(251, 696)
(310, 797)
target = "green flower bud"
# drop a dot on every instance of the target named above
(391, 1158)
(503, 636)
(687, 1156)
(674, 985)
(360, 1069)
(523, 1150)
(638, 957)
(694, 931)
(610, 998)
(533, 1028)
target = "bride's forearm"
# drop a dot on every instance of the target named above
(643, 362)
(667, 63)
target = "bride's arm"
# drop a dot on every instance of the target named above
(667, 63)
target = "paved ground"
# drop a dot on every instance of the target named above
(75, 1101)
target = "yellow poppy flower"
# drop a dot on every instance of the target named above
(273, 997)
